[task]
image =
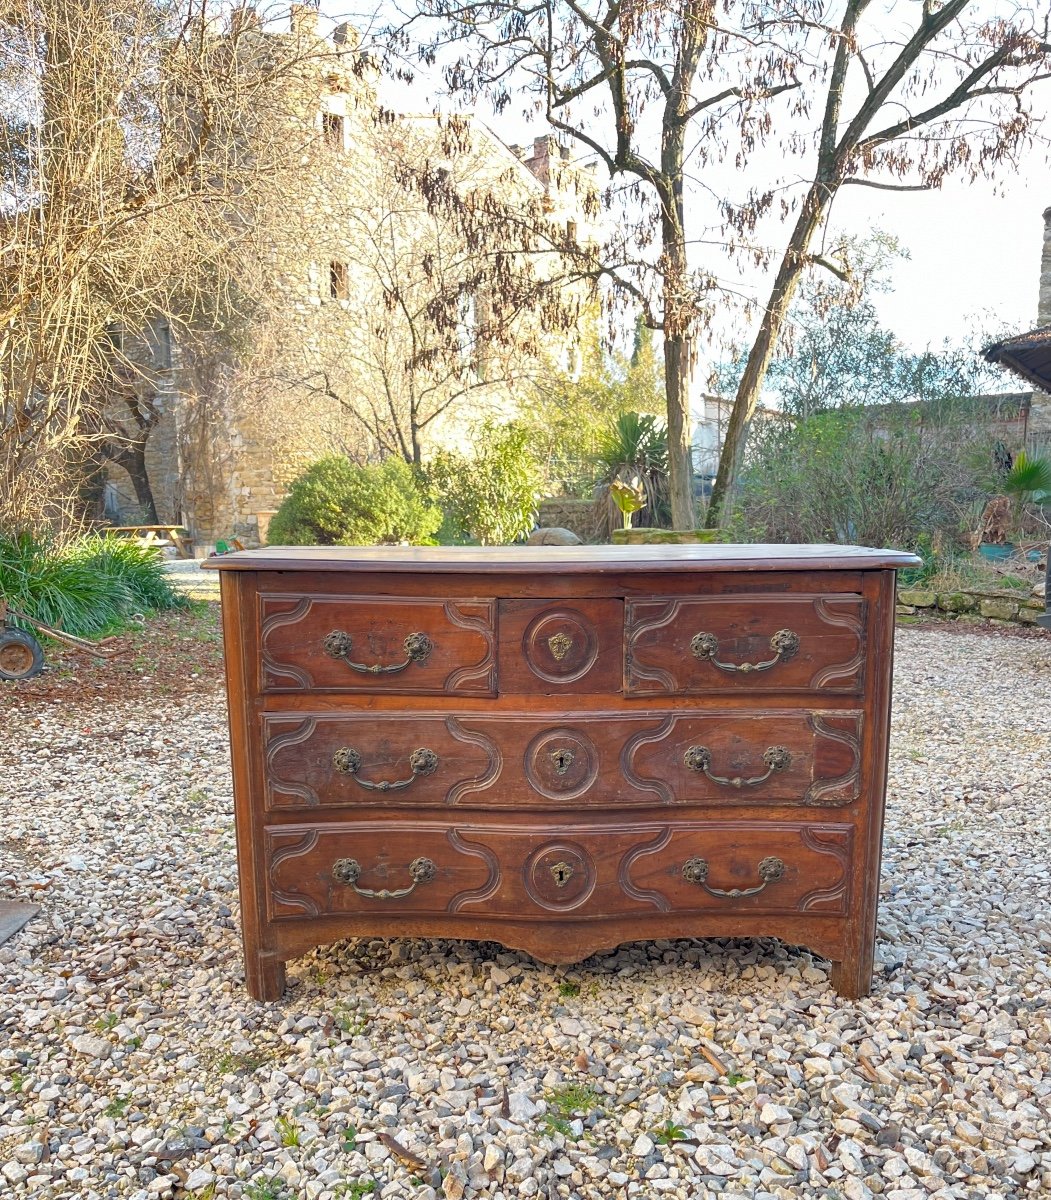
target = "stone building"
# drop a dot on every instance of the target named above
(355, 348)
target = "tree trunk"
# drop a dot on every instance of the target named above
(131, 456)
(789, 273)
(677, 358)
(678, 335)
(140, 481)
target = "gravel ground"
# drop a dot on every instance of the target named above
(190, 579)
(133, 1064)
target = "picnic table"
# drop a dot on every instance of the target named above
(154, 535)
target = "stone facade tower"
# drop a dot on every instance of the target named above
(1044, 308)
(1040, 412)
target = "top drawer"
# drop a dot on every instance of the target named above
(377, 644)
(798, 643)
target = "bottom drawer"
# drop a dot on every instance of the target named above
(531, 871)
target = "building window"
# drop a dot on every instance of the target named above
(332, 128)
(162, 346)
(339, 281)
(571, 232)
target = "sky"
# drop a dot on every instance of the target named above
(975, 255)
(974, 250)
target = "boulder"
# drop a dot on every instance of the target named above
(919, 597)
(956, 602)
(998, 608)
(554, 535)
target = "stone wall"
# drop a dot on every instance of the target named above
(1043, 316)
(994, 604)
(586, 518)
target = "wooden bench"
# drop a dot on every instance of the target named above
(151, 535)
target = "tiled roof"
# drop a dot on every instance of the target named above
(1027, 354)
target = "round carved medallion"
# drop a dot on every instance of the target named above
(561, 763)
(560, 875)
(560, 645)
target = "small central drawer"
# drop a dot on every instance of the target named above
(552, 647)
(378, 644)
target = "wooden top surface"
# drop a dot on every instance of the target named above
(529, 560)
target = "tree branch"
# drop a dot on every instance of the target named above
(739, 93)
(854, 181)
(843, 273)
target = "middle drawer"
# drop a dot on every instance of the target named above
(790, 757)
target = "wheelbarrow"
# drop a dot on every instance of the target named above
(22, 656)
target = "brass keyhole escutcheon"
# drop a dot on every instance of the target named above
(563, 760)
(562, 873)
(560, 645)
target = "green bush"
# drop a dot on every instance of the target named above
(335, 503)
(903, 476)
(86, 587)
(491, 496)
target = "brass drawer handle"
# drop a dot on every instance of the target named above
(347, 761)
(347, 870)
(699, 758)
(784, 644)
(695, 870)
(418, 647)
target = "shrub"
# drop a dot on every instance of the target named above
(335, 503)
(895, 476)
(634, 450)
(87, 587)
(139, 568)
(493, 495)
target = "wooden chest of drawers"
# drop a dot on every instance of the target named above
(559, 749)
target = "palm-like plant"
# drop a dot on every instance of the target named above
(1027, 482)
(634, 451)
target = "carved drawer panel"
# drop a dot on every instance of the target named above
(377, 644)
(378, 759)
(767, 867)
(591, 871)
(791, 757)
(750, 644)
(373, 867)
(561, 646)
(464, 759)
(472, 760)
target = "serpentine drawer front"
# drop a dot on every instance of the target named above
(540, 873)
(465, 759)
(561, 749)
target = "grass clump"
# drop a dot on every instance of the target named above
(88, 587)
(288, 1131)
(566, 1102)
(264, 1188)
(668, 1133)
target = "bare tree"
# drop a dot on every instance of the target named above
(435, 257)
(664, 92)
(948, 94)
(128, 194)
(630, 83)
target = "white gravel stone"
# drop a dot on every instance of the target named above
(92, 1047)
(522, 1107)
